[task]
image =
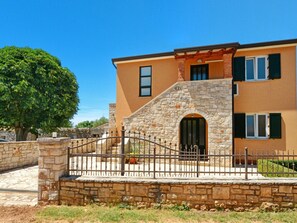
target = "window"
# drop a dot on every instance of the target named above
(145, 81)
(199, 72)
(256, 68)
(256, 126)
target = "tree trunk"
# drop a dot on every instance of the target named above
(21, 133)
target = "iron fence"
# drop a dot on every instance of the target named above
(132, 154)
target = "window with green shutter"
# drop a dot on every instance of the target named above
(274, 66)
(275, 125)
(239, 68)
(239, 125)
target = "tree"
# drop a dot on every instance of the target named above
(85, 124)
(92, 124)
(36, 92)
(100, 121)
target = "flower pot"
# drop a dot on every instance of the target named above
(133, 160)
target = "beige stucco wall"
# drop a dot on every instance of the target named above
(270, 96)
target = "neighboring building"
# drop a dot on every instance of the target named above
(222, 97)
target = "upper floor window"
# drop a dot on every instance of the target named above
(145, 81)
(256, 68)
(199, 72)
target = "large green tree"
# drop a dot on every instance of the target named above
(92, 124)
(36, 92)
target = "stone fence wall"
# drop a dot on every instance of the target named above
(26, 153)
(234, 195)
(56, 187)
(18, 154)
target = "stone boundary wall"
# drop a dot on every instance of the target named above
(202, 195)
(18, 154)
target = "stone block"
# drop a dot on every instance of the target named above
(285, 189)
(119, 187)
(265, 192)
(250, 192)
(137, 190)
(189, 189)
(252, 199)
(70, 184)
(171, 196)
(220, 193)
(178, 190)
(236, 191)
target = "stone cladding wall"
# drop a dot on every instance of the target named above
(112, 119)
(201, 195)
(18, 154)
(211, 99)
(52, 164)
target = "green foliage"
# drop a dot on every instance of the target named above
(92, 124)
(100, 121)
(85, 124)
(36, 92)
(292, 164)
(269, 168)
(182, 207)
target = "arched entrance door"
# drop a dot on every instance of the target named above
(192, 135)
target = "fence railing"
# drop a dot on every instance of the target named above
(133, 154)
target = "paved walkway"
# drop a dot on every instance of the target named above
(19, 187)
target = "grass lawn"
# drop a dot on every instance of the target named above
(116, 214)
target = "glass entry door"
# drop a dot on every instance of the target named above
(199, 72)
(192, 136)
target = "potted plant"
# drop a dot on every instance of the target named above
(133, 155)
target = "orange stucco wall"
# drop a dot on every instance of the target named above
(271, 96)
(254, 97)
(164, 74)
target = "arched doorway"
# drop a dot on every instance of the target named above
(192, 135)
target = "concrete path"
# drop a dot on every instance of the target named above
(19, 187)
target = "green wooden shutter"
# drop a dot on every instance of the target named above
(239, 125)
(239, 68)
(275, 125)
(274, 66)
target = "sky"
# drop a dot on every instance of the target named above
(86, 34)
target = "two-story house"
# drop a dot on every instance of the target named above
(221, 97)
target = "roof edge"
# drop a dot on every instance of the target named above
(145, 56)
(270, 43)
(236, 45)
(207, 47)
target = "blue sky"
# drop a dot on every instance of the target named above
(86, 34)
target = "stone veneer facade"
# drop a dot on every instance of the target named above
(18, 154)
(203, 195)
(212, 99)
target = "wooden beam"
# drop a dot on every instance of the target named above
(207, 55)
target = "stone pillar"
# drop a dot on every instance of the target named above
(181, 70)
(52, 165)
(112, 118)
(227, 58)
